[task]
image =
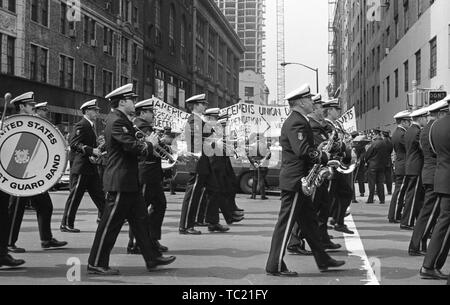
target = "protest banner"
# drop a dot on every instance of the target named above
(348, 121)
(168, 116)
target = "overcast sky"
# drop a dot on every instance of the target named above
(306, 33)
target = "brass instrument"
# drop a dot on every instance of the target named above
(320, 173)
(161, 150)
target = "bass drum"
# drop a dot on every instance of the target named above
(33, 156)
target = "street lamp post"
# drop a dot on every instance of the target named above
(284, 64)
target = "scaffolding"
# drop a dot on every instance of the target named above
(332, 47)
(281, 70)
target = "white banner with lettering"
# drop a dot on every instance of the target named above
(169, 116)
(348, 121)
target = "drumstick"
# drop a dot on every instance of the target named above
(8, 97)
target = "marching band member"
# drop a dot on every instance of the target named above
(439, 246)
(430, 211)
(195, 136)
(42, 203)
(259, 165)
(41, 110)
(414, 164)
(299, 155)
(121, 182)
(150, 180)
(403, 120)
(84, 175)
(376, 158)
(6, 259)
(388, 174)
(341, 190)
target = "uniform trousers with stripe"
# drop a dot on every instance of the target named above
(79, 184)
(426, 221)
(4, 223)
(194, 190)
(156, 203)
(321, 204)
(376, 178)
(439, 246)
(341, 194)
(200, 217)
(226, 204)
(44, 210)
(413, 201)
(389, 179)
(118, 207)
(295, 208)
(398, 198)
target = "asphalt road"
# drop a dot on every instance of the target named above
(376, 255)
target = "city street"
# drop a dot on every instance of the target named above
(376, 256)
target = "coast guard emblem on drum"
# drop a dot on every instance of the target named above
(22, 156)
(33, 156)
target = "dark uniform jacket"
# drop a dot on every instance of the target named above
(440, 137)
(398, 140)
(319, 131)
(299, 153)
(121, 173)
(390, 150)
(429, 165)
(195, 137)
(82, 144)
(414, 154)
(150, 170)
(377, 155)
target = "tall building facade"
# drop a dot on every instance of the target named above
(407, 43)
(217, 51)
(247, 19)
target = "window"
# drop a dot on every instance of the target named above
(433, 57)
(33, 62)
(39, 9)
(63, 28)
(10, 6)
(43, 65)
(406, 67)
(107, 41)
(10, 54)
(183, 41)
(88, 78)
(66, 67)
(159, 84)
(396, 83)
(34, 10)
(44, 10)
(172, 30)
(135, 54)
(158, 37)
(406, 14)
(107, 82)
(125, 49)
(86, 30)
(388, 89)
(419, 67)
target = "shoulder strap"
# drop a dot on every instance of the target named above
(431, 138)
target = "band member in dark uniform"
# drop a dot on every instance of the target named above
(430, 211)
(84, 175)
(414, 164)
(388, 172)
(439, 246)
(123, 199)
(195, 137)
(360, 175)
(42, 203)
(150, 180)
(6, 260)
(299, 156)
(376, 159)
(258, 164)
(341, 191)
(403, 120)
(322, 201)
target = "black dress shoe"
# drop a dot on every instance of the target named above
(406, 228)
(190, 231)
(370, 202)
(286, 273)
(235, 220)
(160, 261)
(416, 253)
(53, 244)
(201, 224)
(240, 210)
(394, 221)
(14, 249)
(343, 229)
(264, 198)
(331, 264)
(69, 229)
(428, 274)
(332, 246)
(135, 250)
(238, 214)
(330, 237)
(161, 248)
(102, 271)
(218, 228)
(332, 222)
(9, 261)
(299, 250)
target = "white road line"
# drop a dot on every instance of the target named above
(355, 247)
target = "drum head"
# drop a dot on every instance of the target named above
(33, 156)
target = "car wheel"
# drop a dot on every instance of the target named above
(246, 183)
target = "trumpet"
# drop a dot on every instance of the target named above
(160, 150)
